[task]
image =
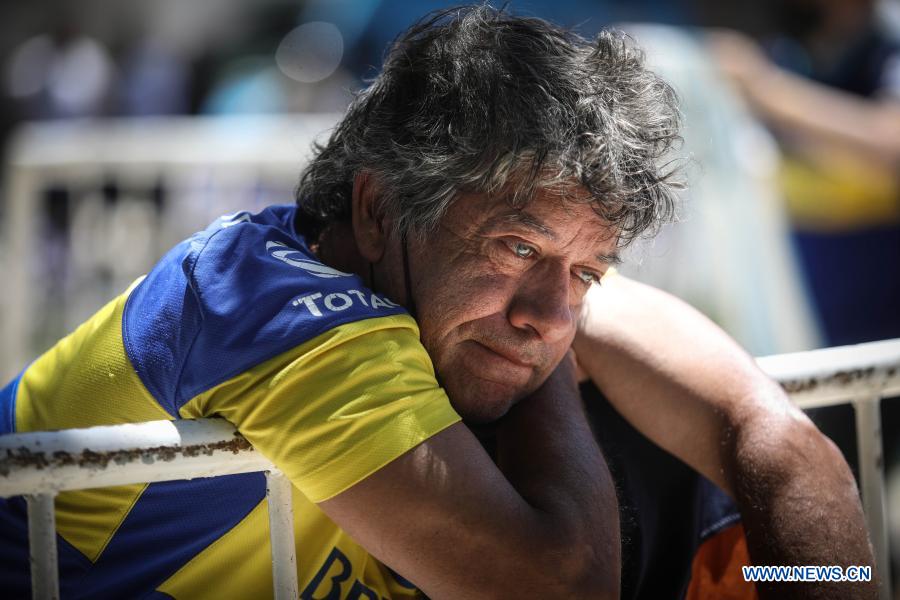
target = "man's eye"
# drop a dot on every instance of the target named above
(589, 277)
(522, 250)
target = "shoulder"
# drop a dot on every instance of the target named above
(242, 291)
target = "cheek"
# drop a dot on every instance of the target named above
(451, 309)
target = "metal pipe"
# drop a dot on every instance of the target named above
(51, 461)
(281, 531)
(871, 475)
(42, 547)
(836, 375)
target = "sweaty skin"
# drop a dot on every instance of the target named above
(684, 384)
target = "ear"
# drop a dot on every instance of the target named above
(368, 218)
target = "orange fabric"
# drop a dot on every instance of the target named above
(716, 572)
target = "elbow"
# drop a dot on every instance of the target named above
(798, 499)
(556, 564)
(585, 566)
(597, 575)
(774, 449)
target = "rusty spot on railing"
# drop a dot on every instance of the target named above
(23, 457)
(840, 379)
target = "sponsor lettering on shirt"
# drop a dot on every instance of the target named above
(315, 303)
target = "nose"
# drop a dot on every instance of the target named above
(541, 302)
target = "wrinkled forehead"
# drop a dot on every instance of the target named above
(560, 215)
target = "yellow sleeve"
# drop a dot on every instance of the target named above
(337, 408)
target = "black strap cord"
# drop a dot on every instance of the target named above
(410, 300)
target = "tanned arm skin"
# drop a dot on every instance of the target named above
(685, 385)
(544, 524)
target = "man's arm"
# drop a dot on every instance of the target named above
(684, 384)
(543, 525)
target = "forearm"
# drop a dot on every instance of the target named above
(799, 505)
(667, 370)
(544, 525)
(547, 451)
(829, 115)
(689, 388)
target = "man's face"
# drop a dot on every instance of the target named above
(498, 291)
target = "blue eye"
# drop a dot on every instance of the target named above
(588, 277)
(522, 250)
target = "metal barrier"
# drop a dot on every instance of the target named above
(41, 464)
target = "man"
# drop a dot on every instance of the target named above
(484, 182)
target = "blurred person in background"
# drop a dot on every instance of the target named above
(61, 74)
(306, 75)
(829, 87)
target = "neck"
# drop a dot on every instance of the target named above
(337, 248)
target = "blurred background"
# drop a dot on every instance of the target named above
(126, 126)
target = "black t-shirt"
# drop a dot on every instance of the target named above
(667, 510)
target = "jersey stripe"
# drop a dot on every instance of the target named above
(172, 523)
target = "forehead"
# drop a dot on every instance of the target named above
(563, 217)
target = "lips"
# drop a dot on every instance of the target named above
(513, 357)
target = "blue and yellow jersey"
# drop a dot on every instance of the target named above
(325, 378)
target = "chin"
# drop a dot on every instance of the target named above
(481, 415)
(479, 401)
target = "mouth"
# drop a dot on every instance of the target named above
(516, 359)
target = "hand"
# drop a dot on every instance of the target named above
(739, 58)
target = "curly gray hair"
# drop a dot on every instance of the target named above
(475, 99)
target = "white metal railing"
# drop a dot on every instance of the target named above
(41, 464)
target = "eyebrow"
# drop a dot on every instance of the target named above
(613, 259)
(521, 217)
(529, 221)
